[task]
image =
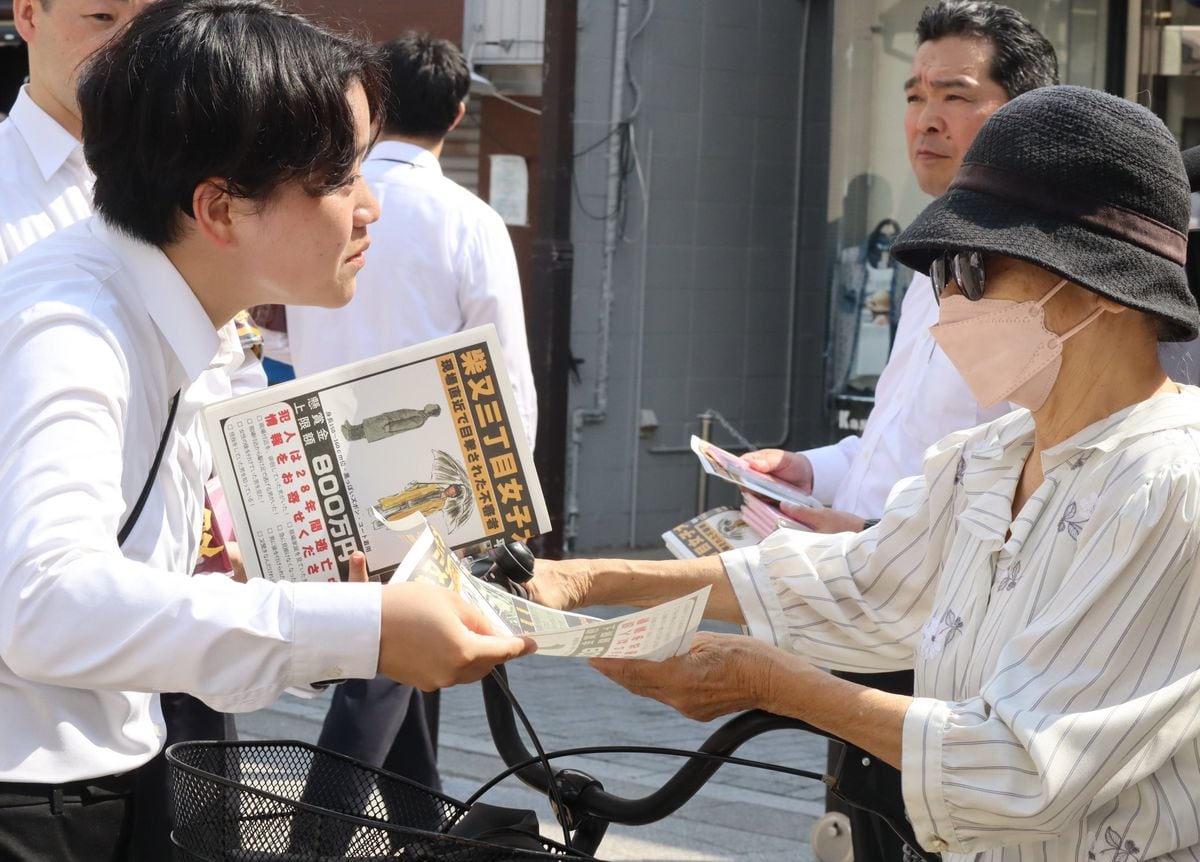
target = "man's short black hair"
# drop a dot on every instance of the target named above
(238, 90)
(1022, 58)
(427, 80)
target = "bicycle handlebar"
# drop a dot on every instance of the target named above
(592, 799)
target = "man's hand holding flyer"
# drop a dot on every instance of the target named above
(725, 465)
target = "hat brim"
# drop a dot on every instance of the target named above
(963, 220)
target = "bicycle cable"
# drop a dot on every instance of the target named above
(560, 811)
(730, 759)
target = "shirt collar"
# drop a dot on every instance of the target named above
(1162, 413)
(1003, 434)
(168, 299)
(989, 472)
(50, 144)
(404, 152)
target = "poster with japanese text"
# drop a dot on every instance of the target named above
(431, 428)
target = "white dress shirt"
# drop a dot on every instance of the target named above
(441, 261)
(1057, 706)
(97, 331)
(920, 398)
(45, 184)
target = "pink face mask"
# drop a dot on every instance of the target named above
(1002, 348)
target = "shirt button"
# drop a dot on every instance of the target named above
(938, 843)
(332, 673)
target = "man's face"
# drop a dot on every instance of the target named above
(950, 94)
(309, 249)
(62, 35)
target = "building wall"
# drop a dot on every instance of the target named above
(385, 19)
(704, 277)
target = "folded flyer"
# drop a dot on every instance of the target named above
(653, 634)
(725, 465)
(431, 428)
(713, 532)
(764, 517)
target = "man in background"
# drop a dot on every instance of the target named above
(45, 184)
(972, 57)
(441, 261)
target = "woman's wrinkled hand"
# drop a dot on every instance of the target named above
(562, 584)
(720, 674)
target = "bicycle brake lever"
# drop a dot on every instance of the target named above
(515, 562)
(508, 566)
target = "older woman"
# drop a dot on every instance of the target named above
(1041, 576)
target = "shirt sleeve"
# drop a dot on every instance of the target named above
(490, 292)
(1097, 694)
(74, 611)
(830, 464)
(851, 601)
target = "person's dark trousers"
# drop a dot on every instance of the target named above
(384, 724)
(389, 726)
(433, 716)
(872, 838)
(188, 720)
(89, 821)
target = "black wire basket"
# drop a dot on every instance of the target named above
(295, 802)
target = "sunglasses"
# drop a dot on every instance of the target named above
(965, 268)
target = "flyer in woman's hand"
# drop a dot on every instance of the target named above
(725, 465)
(655, 633)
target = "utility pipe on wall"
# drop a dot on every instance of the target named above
(598, 412)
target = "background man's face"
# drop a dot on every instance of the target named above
(950, 94)
(62, 35)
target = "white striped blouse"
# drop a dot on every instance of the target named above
(1057, 655)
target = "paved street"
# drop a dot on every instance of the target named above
(741, 814)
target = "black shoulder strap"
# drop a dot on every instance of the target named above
(141, 500)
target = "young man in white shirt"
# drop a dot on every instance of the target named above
(45, 186)
(972, 57)
(443, 262)
(226, 138)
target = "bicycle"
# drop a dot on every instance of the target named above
(290, 801)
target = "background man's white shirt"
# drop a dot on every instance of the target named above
(920, 399)
(45, 184)
(441, 261)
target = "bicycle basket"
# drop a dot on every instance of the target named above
(294, 802)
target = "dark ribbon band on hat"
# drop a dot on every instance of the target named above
(1116, 221)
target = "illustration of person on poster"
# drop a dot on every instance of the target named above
(446, 492)
(376, 428)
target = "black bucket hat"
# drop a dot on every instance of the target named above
(1081, 183)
